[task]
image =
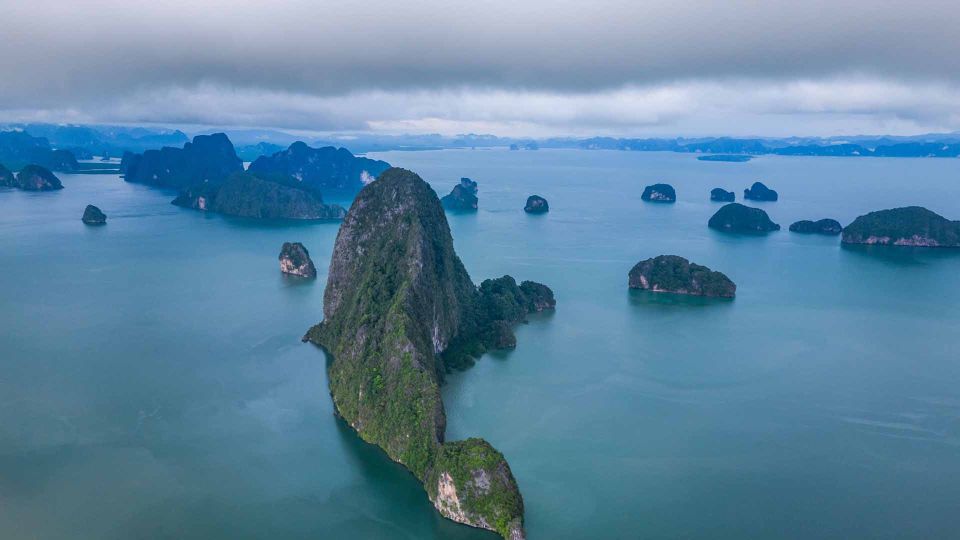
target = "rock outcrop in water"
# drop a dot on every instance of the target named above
(829, 227)
(463, 197)
(659, 193)
(399, 311)
(37, 178)
(759, 192)
(248, 195)
(536, 205)
(673, 274)
(324, 169)
(295, 260)
(93, 216)
(722, 195)
(735, 217)
(209, 159)
(909, 226)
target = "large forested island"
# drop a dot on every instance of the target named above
(399, 311)
(209, 158)
(249, 195)
(908, 226)
(675, 274)
(325, 169)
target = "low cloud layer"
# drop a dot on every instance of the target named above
(515, 68)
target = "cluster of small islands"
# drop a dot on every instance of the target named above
(400, 310)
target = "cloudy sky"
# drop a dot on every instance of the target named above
(523, 68)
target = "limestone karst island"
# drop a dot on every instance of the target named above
(479, 270)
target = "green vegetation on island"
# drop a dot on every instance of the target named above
(828, 226)
(674, 274)
(735, 217)
(908, 226)
(397, 300)
(462, 198)
(659, 193)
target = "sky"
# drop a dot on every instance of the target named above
(511, 68)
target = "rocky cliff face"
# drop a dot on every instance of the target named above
(659, 193)
(247, 195)
(673, 274)
(735, 217)
(760, 192)
(908, 226)
(209, 159)
(324, 169)
(37, 178)
(536, 205)
(830, 227)
(397, 300)
(463, 197)
(93, 216)
(295, 260)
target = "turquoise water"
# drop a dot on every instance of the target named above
(153, 383)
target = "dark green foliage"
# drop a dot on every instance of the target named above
(484, 482)
(722, 195)
(735, 217)
(830, 227)
(325, 169)
(908, 226)
(760, 192)
(248, 195)
(659, 193)
(208, 159)
(536, 205)
(93, 216)
(674, 274)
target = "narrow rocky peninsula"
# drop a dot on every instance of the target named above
(735, 217)
(909, 226)
(37, 178)
(93, 216)
(398, 305)
(463, 197)
(759, 192)
(663, 193)
(249, 195)
(536, 205)
(295, 260)
(722, 195)
(830, 227)
(674, 274)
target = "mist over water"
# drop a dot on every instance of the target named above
(153, 383)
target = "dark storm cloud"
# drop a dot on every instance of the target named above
(109, 56)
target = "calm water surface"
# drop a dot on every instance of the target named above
(153, 383)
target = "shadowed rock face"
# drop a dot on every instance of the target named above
(248, 195)
(399, 308)
(93, 216)
(37, 178)
(722, 195)
(536, 205)
(463, 197)
(830, 227)
(7, 179)
(324, 169)
(295, 260)
(209, 159)
(759, 192)
(659, 193)
(673, 274)
(909, 226)
(735, 217)
(19, 148)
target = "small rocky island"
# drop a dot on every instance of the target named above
(722, 195)
(659, 193)
(735, 217)
(536, 205)
(909, 226)
(674, 274)
(37, 178)
(829, 227)
(463, 197)
(400, 310)
(249, 195)
(295, 260)
(93, 216)
(759, 192)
